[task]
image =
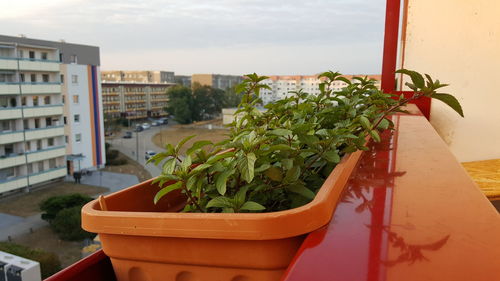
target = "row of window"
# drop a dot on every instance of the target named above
(40, 166)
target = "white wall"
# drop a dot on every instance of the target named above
(458, 42)
(83, 109)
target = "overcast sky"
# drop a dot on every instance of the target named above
(222, 36)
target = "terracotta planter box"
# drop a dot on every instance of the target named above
(153, 242)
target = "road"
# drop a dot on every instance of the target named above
(128, 146)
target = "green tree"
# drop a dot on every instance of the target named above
(207, 102)
(180, 104)
(231, 98)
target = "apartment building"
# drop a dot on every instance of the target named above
(50, 111)
(140, 76)
(217, 81)
(184, 80)
(281, 86)
(134, 100)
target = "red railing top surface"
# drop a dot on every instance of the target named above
(409, 212)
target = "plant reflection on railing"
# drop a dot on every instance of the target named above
(376, 170)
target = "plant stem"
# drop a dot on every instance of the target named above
(188, 192)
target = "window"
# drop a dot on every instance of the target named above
(40, 166)
(52, 163)
(48, 121)
(30, 168)
(60, 57)
(26, 124)
(7, 173)
(63, 99)
(20, 54)
(74, 59)
(76, 118)
(27, 146)
(33, 78)
(50, 142)
(38, 144)
(62, 78)
(65, 120)
(37, 123)
(35, 100)
(66, 139)
(5, 125)
(46, 100)
(32, 55)
(74, 79)
(78, 137)
(21, 77)
(9, 149)
(23, 101)
(75, 99)
(44, 56)
(45, 78)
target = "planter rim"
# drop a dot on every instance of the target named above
(242, 226)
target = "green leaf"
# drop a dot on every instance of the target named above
(221, 181)
(308, 139)
(451, 101)
(274, 173)
(293, 174)
(197, 145)
(247, 167)
(332, 156)
(252, 206)
(375, 135)
(166, 190)
(279, 147)
(281, 132)
(365, 122)
(169, 166)
(287, 163)
(186, 163)
(200, 168)
(384, 124)
(416, 77)
(241, 195)
(220, 202)
(219, 156)
(302, 190)
(262, 168)
(182, 142)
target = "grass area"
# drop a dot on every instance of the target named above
(27, 204)
(177, 133)
(132, 168)
(45, 239)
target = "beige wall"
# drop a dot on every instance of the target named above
(203, 79)
(458, 42)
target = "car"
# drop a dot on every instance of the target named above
(163, 121)
(149, 154)
(127, 135)
(146, 126)
(155, 123)
(139, 128)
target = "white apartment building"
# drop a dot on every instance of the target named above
(281, 86)
(50, 111)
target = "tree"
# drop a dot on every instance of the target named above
(180, 104)
(207, 102)
(231, 98)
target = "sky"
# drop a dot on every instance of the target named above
(269, 37)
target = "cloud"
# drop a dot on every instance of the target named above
(194, 27)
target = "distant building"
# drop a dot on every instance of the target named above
(184, 80)
(281, 86)
(134, 100)
(217, 81)
(140, 76)
(50, 111)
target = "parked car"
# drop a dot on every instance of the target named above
(149, 154)
(155, 123)
(139, 128)
(128, 135)
(146, 126)
(163, 121)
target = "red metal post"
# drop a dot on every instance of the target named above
(390, 45)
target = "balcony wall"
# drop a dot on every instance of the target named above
(48, 153)
(12, 184)
(44, 110)
(12, 161)
(47, 175)
(29, 65)
(11, 137)
(10, 113)
(34, 134)
(12, 88)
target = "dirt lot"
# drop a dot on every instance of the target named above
(131, 167)
(178, 132)
(27, 204)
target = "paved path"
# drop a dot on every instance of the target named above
(14, 225)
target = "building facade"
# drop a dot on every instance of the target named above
(184, 80)
(281, 86)
(50, 111)
(134, 100)
(141, 76)
(217, 81)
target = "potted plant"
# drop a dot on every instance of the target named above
(239, 209)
